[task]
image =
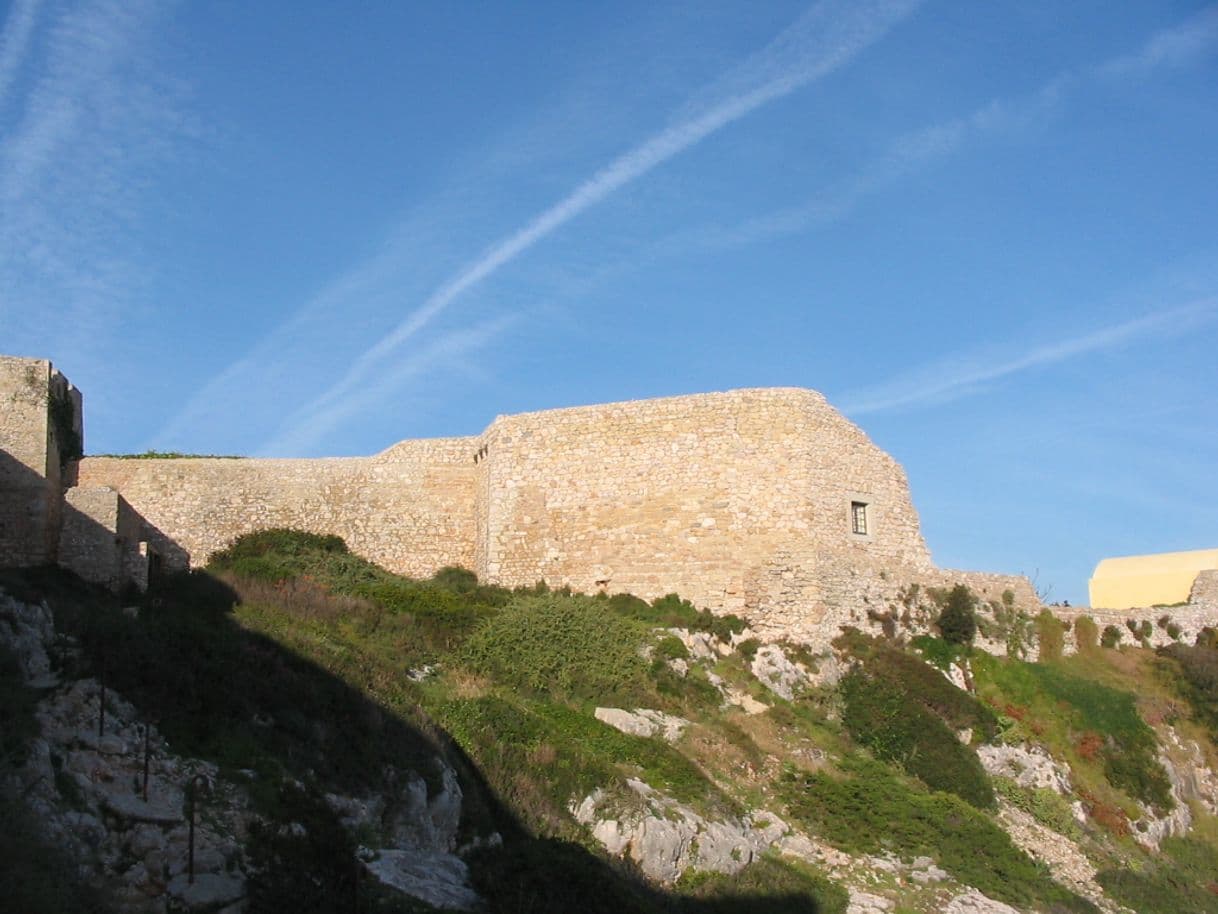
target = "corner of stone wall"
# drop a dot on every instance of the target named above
(101, 538)
(1205, 589)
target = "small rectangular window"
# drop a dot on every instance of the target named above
(858, 517)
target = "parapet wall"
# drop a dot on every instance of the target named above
(408, 509)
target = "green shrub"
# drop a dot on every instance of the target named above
(1197, 680)
(1044, 804)
(957, 621)
(1183, 880)
(310, 868)
(869, 811)
(550, 876)
(670, 647)
(883, 713)
(671, 611)
(1086, 634)
(1082, 706)
(1111, 637)
(503, 735)
(748, 649)
(1050, 633)
(770, 885)
(561, 646)
(937, 651)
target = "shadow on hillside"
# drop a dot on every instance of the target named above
(267, 715)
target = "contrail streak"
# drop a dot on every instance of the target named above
(824, 38)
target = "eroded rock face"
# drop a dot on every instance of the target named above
(1154, 826)
(137, 845)
(27, 629)
(644, 722)
(665, 837)
(973, 902)
(777, 673)
(1030, 767)
(441, 880)
(85, 785)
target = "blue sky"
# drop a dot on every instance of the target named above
(987, 231)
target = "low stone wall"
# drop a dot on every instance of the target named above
(408, 509)
(100, 538)
(1189, 619)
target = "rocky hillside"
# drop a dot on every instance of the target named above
(298, 730)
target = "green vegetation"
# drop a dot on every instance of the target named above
(1050, 635)
(1086, 634)
(1081, 719)
(321, 672)
(169, 455)
(1197, 679)
(903, 710)
(1183, 881)
(957, 620)
(769, 886)
(1043, 804)
(869, 810)
(672, 612)
(561, 646)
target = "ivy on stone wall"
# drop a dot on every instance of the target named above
(62, 413)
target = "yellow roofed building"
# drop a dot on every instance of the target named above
(1150, 580)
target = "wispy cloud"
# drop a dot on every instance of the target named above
(1171, 47)
(81, 119)
(967, 373)
(823, 39)
(445, 354)
(15, 41)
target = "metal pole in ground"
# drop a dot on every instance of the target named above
(192, 795)
(101, 716)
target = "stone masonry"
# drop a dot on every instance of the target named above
(765, 502)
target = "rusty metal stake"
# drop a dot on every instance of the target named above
(147, 755)
(192, 793)
(101, 717)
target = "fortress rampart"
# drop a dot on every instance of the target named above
(408, 509)
(765, 502)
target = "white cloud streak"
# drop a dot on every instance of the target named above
(74, 145)
(15, 41)
(950, 379)
(1171, 47)
(823, 39)
(448, 352)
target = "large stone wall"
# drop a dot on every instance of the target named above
(409, 509)
(741, 501)
(30, 451)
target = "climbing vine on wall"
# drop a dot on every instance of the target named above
(63, 424)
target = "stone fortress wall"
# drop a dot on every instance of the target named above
(38, 410)
(763, 502)
(408, 509)
(710, 487)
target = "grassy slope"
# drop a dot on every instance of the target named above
(325, 644)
